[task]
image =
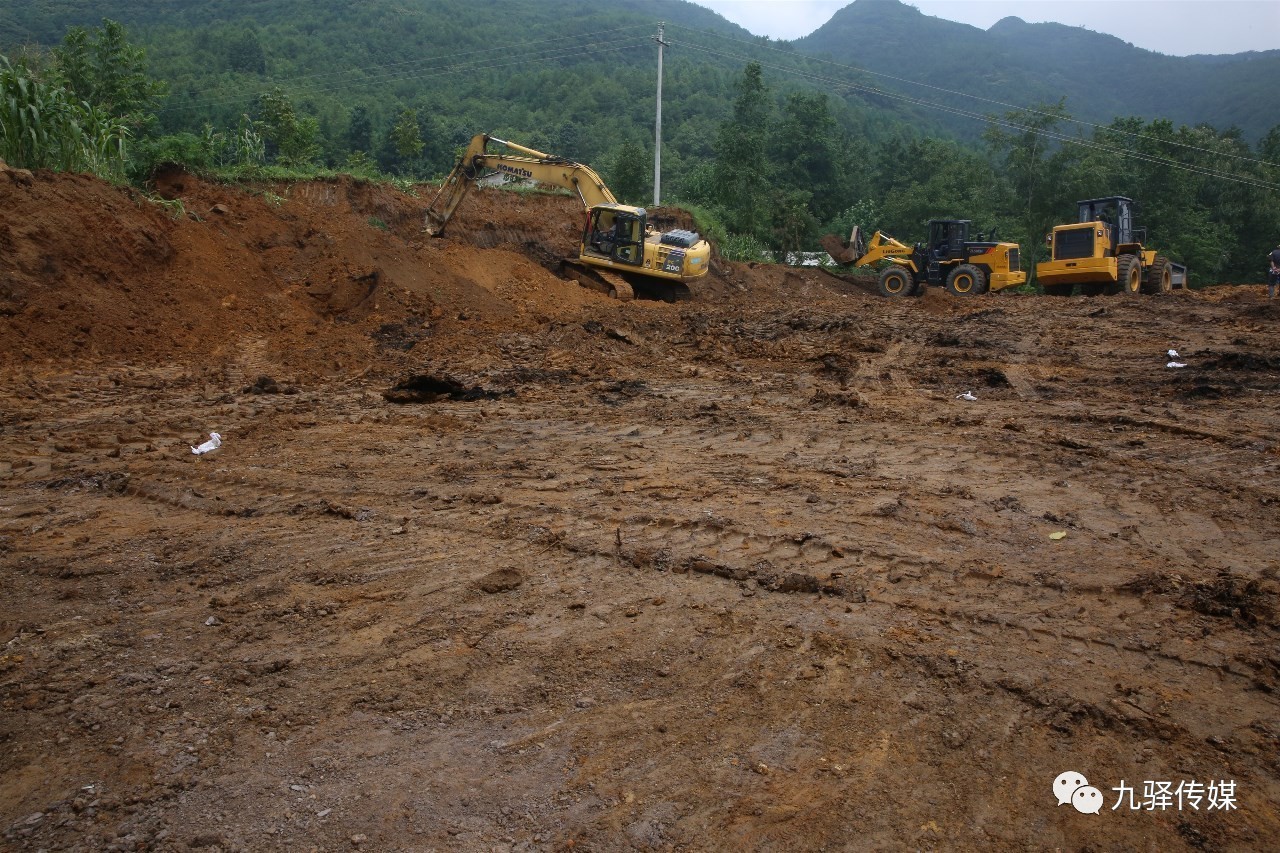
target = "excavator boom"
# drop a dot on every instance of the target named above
(534, 165)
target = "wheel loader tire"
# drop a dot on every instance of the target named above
(1128, 277)
(1159, 277)
(967, 280)
(1058, 289)
(896, 281)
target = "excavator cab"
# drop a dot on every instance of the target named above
(616, 231)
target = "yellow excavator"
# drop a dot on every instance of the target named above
(619, 252)
(950, 259)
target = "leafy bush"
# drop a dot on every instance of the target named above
(744, 247)
(42, 127)
(182, 149)
(210, 152)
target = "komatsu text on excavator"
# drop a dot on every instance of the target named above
(619, 251)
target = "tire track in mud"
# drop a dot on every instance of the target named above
(710, 547)
(699, 538)
(658, 553)
(589, 537)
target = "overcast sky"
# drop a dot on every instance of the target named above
(1175, 27)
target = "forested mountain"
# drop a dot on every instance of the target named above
(573, 76)
(380, 47)
(1099, 75)
(774, 141)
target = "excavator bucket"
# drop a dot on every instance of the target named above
(845, 252)
(447, 198)
(434, 223)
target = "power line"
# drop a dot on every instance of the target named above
(1152, 158)
(946, 91)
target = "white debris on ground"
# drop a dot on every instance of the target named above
(214, 442)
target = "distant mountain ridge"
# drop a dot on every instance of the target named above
(1100, 75)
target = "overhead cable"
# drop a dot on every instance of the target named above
(943, 90)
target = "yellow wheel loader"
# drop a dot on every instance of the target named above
(619, 251)
(1103, 252)
(950, 259)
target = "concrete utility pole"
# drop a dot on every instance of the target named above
(657, 127)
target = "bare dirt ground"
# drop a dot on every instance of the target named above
(738, 573)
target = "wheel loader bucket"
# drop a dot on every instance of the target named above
(843, 252)
(857, 243)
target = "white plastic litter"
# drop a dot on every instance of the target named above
(967, 395)
(1175, 364)
(1173, 353)
(214, 442)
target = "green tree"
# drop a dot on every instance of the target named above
(359, 135)
(405, 135)
(629, 174)
(1043, 175)
(245, 53)
(805, 153)
(742, 173)
(793, 223)
(106, 72)
(293, 140)
(864, 213)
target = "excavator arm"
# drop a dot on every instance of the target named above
(529, 164)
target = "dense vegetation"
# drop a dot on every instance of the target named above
(770, 145)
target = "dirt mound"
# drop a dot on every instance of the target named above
(308, 277)
(75, 253)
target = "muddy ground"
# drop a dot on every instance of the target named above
(738, 573)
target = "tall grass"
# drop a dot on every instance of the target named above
(42, 127)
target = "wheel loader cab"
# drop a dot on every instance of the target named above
(947, 238)
(615, 232)
(1114, 212)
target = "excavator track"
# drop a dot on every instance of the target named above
(609, 283)
(619, 289)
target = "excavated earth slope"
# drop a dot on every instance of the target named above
(487, 561)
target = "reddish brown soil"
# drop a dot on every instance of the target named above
(739, 573)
